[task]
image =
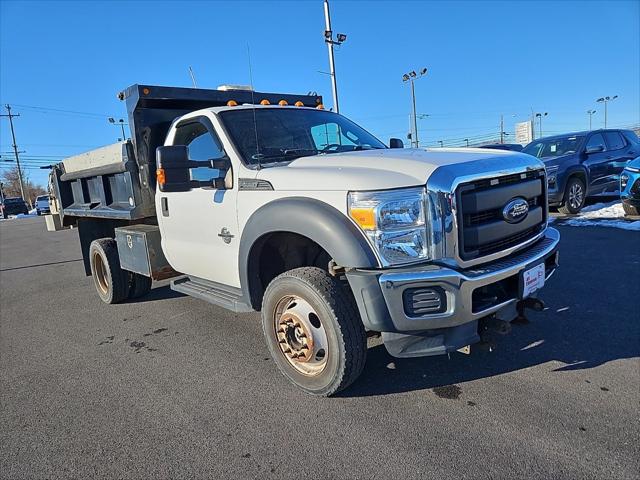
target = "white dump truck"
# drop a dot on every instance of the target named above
(267, 202)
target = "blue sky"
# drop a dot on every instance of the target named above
(484, 59)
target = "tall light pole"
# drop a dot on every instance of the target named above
(467, 140)
(121, 123)
(590, 113)
(539, 117)
(606, 100)
(330, 41)
(441, 143)
(411, 77)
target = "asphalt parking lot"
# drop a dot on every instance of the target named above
(170, 386)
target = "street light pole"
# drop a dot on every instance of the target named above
(121, 123)
(539, 117)
(328, 39)
(411, 77)
(590, 113)
(606, 100)
(467, 140)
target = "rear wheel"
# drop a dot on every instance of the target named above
(112, 283)
(630, 209)
(313, 331)
(575, 195)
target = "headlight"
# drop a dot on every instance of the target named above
(624, 179)
(394, 221)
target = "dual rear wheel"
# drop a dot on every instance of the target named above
(114, 284)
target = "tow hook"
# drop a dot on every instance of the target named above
(534, 304)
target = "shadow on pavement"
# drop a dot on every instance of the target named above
(592, 319)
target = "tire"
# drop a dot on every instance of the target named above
(630, 209)
(306, 310)
(112, 283)
(139, 285)
(575, 194)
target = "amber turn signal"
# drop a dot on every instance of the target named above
(160, 177)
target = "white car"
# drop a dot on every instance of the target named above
(42, 205)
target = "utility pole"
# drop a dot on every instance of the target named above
(15, 150)
(467, 140)
(328, 39)
(501, 129)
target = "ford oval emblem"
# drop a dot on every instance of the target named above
(516, 210)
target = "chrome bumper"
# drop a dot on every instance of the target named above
(460, 285)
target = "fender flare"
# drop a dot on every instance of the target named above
(311, 218)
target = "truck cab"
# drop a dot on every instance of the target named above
(268, 202)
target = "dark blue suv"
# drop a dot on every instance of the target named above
(584, 164)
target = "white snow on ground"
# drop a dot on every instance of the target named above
(603, 215)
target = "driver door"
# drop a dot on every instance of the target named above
(199, 227)
(597, 164)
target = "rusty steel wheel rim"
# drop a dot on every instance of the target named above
(301, 337)
(102, 280)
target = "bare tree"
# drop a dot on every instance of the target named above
(11, 185)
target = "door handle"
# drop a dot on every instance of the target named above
(164, 202)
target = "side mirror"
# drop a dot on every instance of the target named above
(173, 167)
(172, 174)
(395, 143)
(594, 149)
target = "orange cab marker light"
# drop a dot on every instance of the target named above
(265, 102)
(320, 106)
(282, 103)
(160, 177)
(146, 91)
(299, 104)
(232, 103)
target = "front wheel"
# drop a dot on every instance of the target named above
(575, 195)
(313, 331)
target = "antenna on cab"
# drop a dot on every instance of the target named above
(193, 77)
(253, 107)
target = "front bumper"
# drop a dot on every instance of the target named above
(380, 298)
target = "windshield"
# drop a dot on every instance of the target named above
(554, 147)
(42, 197)
(284, 134)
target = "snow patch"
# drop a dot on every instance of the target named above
(610, 215)
(622, 224)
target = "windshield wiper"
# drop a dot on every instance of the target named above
(288, 153)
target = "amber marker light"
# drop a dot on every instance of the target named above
(265, 102)
(160, 176)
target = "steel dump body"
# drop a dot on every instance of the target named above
(117, 182)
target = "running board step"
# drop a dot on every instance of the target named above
(212, 292)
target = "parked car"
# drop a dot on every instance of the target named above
(42, 204)
(14, 206)
(584, 164)
(630, 187)
(514, 147)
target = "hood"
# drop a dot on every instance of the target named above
(376, 169)
(553, 161)
(635, 163)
